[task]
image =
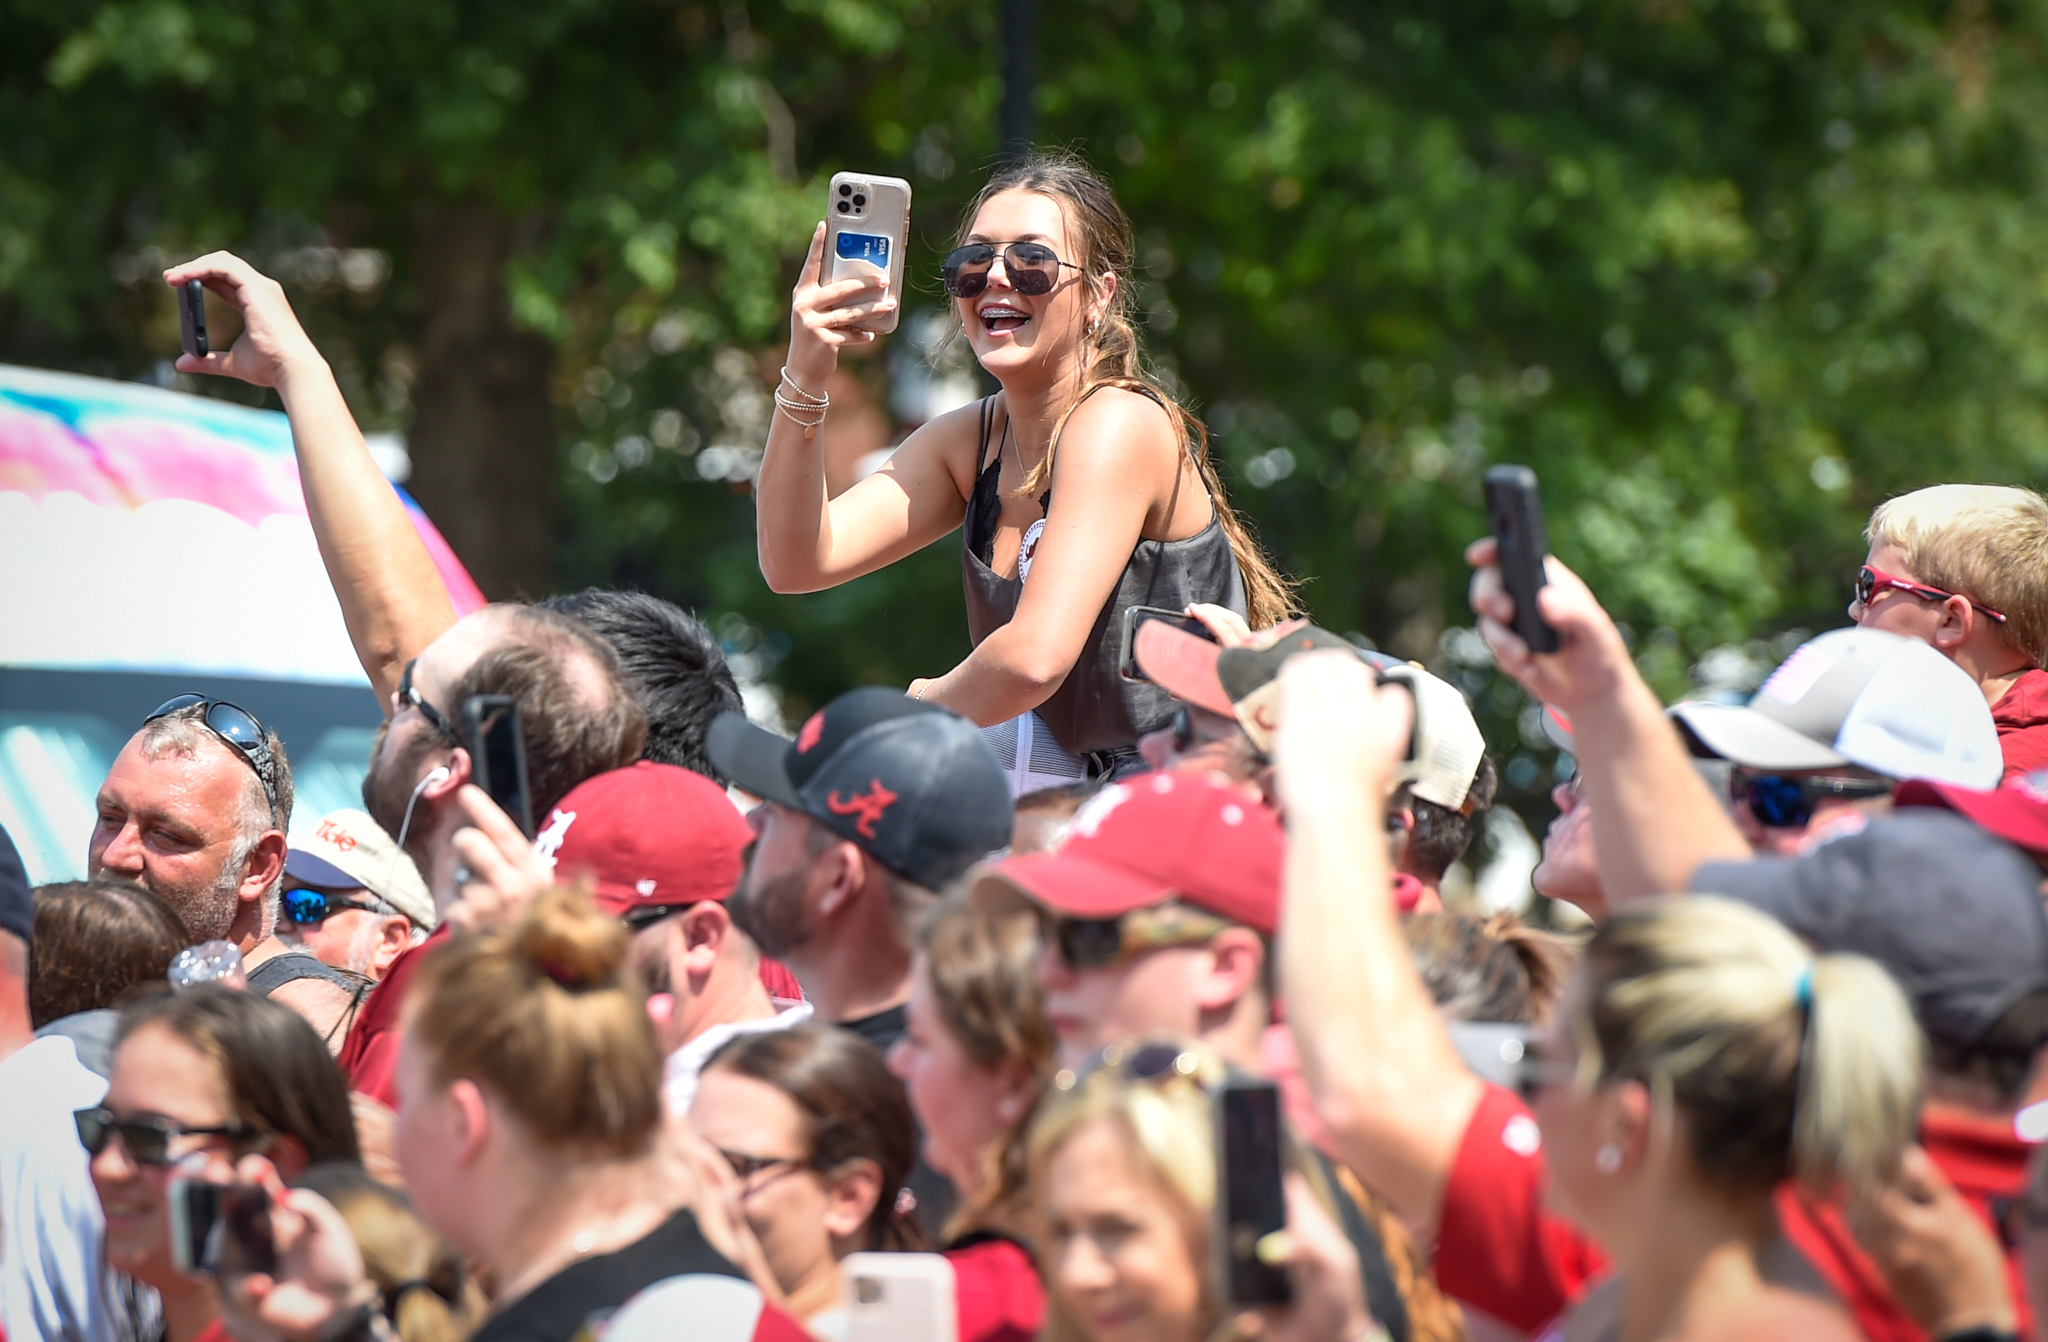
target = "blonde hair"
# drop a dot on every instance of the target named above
(541, 1013)
(1103, 233)
(1782, 1064)
(1985, 542)
(1168, 1128)
(428, 1295)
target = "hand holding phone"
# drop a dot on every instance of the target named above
(497, 753)
(1135, 617)
(1515, 510)
(867, 223)
(220, 1229)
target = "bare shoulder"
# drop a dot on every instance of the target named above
(1116, 424)
(950, 442)
(1776, 1312)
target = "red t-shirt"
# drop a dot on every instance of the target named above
(1981, 1156)
(1497, 1249)
(2021, 716)
(369, 1056)
(996, 1286)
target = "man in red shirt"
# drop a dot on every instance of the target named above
(1965, 568)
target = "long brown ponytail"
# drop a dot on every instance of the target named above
(1103, 233)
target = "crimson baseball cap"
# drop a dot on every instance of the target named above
(2017, 811)
(647, 834)
(913, 784)
(1151, 839)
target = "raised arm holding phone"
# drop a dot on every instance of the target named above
(1083, 487)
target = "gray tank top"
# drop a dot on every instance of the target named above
(1095, 709)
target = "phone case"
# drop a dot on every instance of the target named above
(192, 318)
(867, 223)
(899, 1297)
(1515, 510)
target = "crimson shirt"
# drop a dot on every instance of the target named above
(369, 1056)
(1497, 1249)
(997, 1290)
(1981, 1156)
(2021, 716)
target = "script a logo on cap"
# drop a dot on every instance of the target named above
(549, 840)
(814, 727)
(867, 805)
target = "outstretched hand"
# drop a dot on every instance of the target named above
(272, 341)
(1338, 726)
(822, 316)
(320, 1278)
(1591, 658)
(505, 874)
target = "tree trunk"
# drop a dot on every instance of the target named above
(483, 430)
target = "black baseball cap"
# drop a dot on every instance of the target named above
(912, 783)
(17, 905)
(1953, 911)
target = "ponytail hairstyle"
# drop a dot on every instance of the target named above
(1499, 969)
(1101, 230)
(541, 1014)
(428, 1296)
(1783, 1064)
(853, 1108)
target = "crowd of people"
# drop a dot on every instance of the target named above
(963, 971)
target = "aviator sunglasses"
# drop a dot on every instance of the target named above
(1033, 268)
(1096, 943)
(235, 726)
(148, 1139)
(1787, 801)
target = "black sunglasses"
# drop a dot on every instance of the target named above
(1160, 1062)
(643, 916)
(1787, 801)
(235, 726)
(1096, 943)
(309, 906)
(408, 695)
(1033, 268)
(148, 1139)
(746, 1167)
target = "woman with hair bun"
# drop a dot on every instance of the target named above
(529, 1104)
(1083, 486)
(1703, 1057)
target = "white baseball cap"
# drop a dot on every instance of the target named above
(349, 850)
(1862, 697)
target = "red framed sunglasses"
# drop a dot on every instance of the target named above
(1869, 580)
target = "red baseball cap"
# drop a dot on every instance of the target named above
(2016, 811)
(649, 834)
(1159, 837)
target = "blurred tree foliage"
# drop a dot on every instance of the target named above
(1726, 272)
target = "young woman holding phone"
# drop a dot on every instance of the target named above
(1082, 486)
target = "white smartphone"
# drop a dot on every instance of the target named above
(899, 1297)
(867, 222)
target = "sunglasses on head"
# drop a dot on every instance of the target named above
(1787, 801)
(309, 906)
(236, 727)
(1096, 943)
(1033, 268)
(148, 1139)
(1156, 1063)
(1869, 580)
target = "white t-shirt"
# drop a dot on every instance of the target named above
(52, 1270)
(679, 1074)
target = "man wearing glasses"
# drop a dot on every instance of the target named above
(351, 898)
(1964, 569)
(195, 810)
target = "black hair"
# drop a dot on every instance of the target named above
(670, 662)
(1441, 835)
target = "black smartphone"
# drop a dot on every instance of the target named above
(1515, 510)
(192, 317)
(1251, 1205)
(223, 1229)
(497, 755)
(1127, 660)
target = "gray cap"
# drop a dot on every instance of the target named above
(1861, 697)
(1951, 910)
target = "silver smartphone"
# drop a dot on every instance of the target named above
(899, 1297)
(867, 223)
(223, 1229)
